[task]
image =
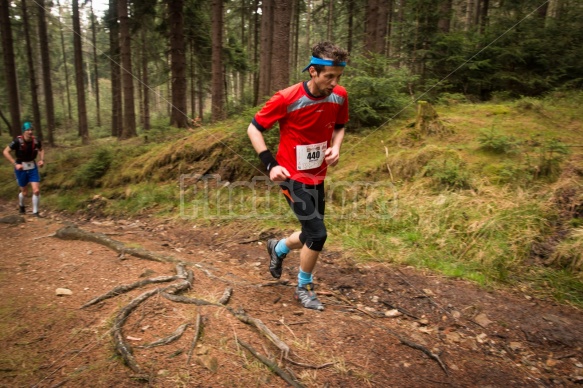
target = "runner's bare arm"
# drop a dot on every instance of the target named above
(41, 154)
(333, 152)
(276, 173)
(7, 155)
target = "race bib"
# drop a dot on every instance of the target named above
(310, 156)
(27, 165)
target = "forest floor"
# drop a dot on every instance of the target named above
(383, 326)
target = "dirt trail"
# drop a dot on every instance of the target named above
(482, 339)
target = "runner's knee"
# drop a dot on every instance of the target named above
(316, 240)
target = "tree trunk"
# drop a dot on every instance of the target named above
(280, 54)
(192, 77)
(95, 67)
(382, 27)
(266, 49)
(129, 111)
(256, 58)
(330, 24)
(350, 31)
(444, 22)
(484, 16)
(470, 10)
(116, 95)
(370, 27)
(47, 80)
(218, 78)
(33, 85)
(10, 67)
(79, 81)
(295, 34)
(178, 117)
(65, 64)
(145, 81)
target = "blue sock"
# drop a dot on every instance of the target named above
(304, 278)
(281, 249)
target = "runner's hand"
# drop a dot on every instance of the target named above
(279, 174)
(331, 156)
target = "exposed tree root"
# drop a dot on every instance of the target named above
(187, 300)
(226, 296)
(183, 281)
(308, 365)
(271, 365)
(74, 233)
(167, 340)
(128, 287)
(197, 329)
(263, 329)
(121, 346)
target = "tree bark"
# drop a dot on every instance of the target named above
(444, 22)
(47, 79)
(32, 73)
(178, 117)
(129, 111)
(79, 80)
(145, 81)
(65, 64)
(280, 54)
(266, 45)
(218, 77)
(95, 67)
(10, 67)
(116, 95)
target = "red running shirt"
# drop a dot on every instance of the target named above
(304, 120)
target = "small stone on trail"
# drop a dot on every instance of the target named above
(63, 291)
(393, 313)
(482, 320)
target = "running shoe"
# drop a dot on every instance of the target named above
(22, 209)
(275, 261)
(307, 297)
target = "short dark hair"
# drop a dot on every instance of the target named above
(328, 50)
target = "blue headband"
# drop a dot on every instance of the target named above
(323, 62)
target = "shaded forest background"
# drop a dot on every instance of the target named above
(98, 68)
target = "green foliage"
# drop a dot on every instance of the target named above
(449, 172)
(493, 141)
(88, 175)
(376, 90)
(451, 98)
(550, 154)
(530, 104)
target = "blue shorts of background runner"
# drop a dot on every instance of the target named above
(25, 177)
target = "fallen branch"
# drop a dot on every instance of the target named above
(399, 309)
(420, 347)
(197, 330)
(167, 340)
(426, 351)
(271, 365)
